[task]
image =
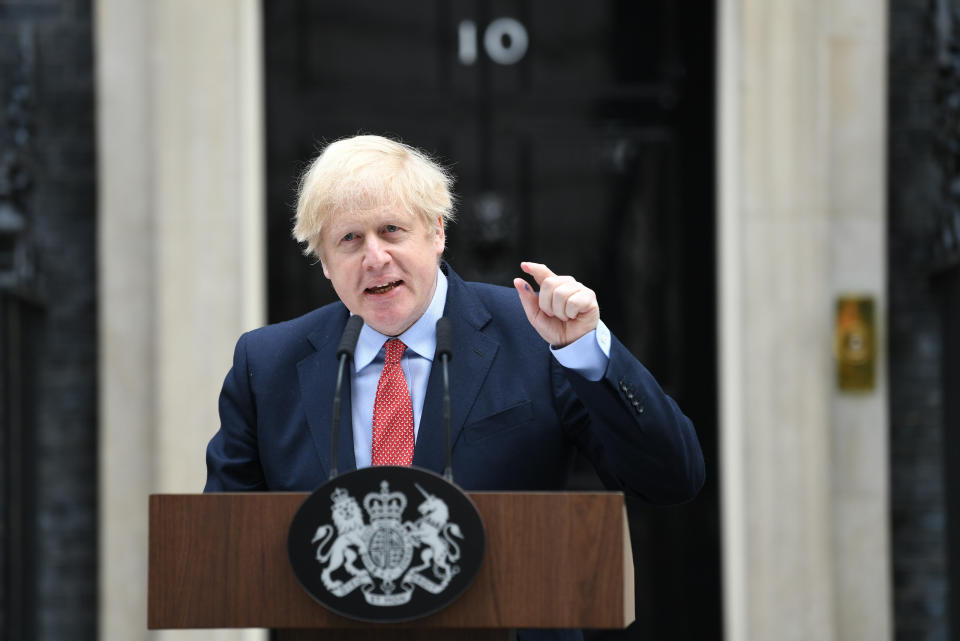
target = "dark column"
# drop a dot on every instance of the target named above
(947, 285)
(48, 446)
(922, 165)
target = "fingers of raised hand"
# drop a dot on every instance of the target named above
(563, 297)
(539, 271)
(582, 301)
(528, 298)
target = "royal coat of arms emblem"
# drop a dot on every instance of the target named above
(376, 556)
(386, 543)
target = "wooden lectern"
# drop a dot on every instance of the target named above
(553, 560)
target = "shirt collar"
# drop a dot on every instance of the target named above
(421, 337)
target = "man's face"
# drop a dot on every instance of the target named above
(383, 265)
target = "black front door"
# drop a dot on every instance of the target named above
(581, 136)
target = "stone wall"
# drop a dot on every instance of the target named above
(802, 133)
(181, 271)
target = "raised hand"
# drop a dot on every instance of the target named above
(564, 310)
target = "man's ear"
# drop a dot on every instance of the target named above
(441, 239)
(324, 266)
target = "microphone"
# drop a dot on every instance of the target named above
(348, 343)
(444, 352)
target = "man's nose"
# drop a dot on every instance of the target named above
(375, 254)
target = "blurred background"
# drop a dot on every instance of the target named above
(765, 196)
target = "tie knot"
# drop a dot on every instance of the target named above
(395, 349)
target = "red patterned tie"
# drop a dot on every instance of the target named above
(393, 438)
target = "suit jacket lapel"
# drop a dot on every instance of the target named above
(317, 374)
(472, 357)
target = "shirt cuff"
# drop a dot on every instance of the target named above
(588, 355)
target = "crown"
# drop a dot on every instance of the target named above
(339, 495)
(385, 504)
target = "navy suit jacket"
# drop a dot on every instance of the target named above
(517, 414)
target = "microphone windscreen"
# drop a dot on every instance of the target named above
(351, 334)
(444, 338)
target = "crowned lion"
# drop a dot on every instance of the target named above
(350, 542)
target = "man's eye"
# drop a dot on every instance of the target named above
(391, 228)
(349, 236)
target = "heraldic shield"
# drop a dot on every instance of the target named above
(386, 544)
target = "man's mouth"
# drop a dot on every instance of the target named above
(382, 289)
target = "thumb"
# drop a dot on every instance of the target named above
(528, 298)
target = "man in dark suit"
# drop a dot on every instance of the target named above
(535, 375)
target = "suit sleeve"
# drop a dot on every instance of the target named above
(233, 460)
(635, 434)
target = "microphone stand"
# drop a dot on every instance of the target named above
(444, 345)
(348, 343)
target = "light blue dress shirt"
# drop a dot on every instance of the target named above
(587, 356)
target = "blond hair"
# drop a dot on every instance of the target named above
(364, 172)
